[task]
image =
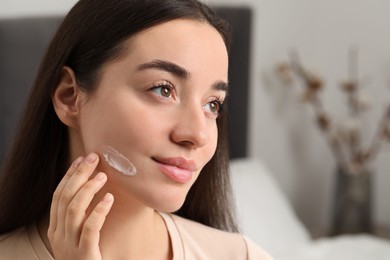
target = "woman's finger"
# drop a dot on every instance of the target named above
(79, 177)
(90, 234)
(57, 194)
(77, 208)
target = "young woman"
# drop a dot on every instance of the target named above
(141, 82)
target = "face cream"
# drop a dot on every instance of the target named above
(118, 161)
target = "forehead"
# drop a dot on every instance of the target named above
(194, 45)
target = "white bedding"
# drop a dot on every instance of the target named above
(268, 219)
(361, 247)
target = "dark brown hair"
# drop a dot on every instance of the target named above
(90, 36)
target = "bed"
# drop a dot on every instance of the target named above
(268, 219)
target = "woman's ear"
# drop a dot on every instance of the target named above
(65, 98)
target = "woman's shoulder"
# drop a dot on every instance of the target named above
(23, 243)
(15, 243)
(216, 244)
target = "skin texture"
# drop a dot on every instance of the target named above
(150, 110)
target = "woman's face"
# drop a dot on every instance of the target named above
(157, 105)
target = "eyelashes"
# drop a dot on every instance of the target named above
(167, 90)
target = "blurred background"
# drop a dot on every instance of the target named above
(282, 130)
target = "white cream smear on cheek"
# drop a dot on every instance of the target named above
(118, 161)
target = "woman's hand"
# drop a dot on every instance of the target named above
(73, 233)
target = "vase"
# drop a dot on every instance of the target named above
(352, 211)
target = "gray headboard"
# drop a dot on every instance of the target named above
(23, 41)
(240, 19)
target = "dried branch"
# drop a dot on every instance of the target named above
(382, 134)
(351, 87)
(313, 85)
(358, 159)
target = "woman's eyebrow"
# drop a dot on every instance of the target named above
(178, 71)
(165, 66)
(220, 85)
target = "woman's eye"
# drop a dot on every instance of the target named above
(214, 106)
(165, 90)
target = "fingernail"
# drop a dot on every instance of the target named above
(91, 157)
(77, 162)
(108, 197)
(100, 176)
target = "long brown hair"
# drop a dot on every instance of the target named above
(91, 35)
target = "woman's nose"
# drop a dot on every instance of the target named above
(191, 128)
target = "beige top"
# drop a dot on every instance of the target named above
(190, 240)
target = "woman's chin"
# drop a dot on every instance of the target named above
(170, 206)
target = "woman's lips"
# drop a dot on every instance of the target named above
(177, 169)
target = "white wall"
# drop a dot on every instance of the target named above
(15, 8)
(282, 131)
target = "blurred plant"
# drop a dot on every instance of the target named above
(345, 142)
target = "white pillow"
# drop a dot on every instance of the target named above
(264, 213)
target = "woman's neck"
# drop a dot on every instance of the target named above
(139, 235)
